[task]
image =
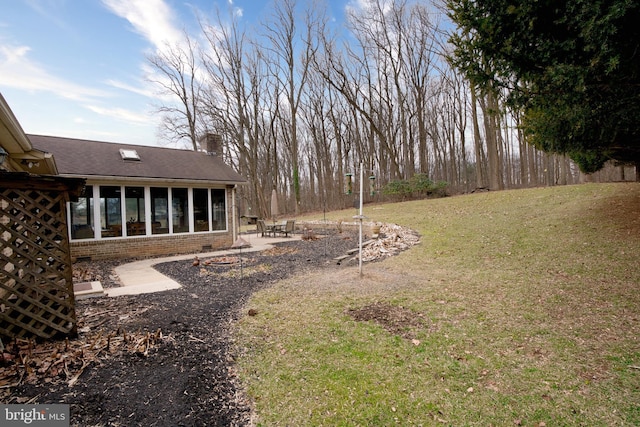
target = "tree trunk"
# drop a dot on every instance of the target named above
(477, 140)
(492, 144)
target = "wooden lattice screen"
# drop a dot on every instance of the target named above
(36, 285)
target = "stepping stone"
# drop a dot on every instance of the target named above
(88, 290)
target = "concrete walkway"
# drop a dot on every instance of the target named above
(140, 277)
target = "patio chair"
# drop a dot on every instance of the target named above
(289, 228)
(261, 227)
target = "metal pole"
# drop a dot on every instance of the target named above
(360, 237)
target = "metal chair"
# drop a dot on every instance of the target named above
(261, 227)
(289, 227)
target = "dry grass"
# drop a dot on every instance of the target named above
(526, 312)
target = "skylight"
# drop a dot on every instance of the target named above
(129, 154)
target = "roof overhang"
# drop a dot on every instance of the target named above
(91, 179)
(21, 154)
(11, 134)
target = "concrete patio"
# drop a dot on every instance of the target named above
(139, 277)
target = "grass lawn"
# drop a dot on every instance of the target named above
(517, 308)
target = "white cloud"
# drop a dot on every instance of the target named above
(144, 89)
(17, 70)
(121, 114)
(359, 6)
(152, 19)
(237, 11)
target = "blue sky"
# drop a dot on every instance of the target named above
(76, 68)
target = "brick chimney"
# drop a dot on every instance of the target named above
(212, 143)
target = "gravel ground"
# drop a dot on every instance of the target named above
(164, 359)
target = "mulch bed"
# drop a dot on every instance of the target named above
(161, 359)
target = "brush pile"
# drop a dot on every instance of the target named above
(26, 361)
(391, 240)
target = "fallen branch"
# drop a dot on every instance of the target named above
(192, 338)
(75, 378)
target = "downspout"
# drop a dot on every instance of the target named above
(233, 209)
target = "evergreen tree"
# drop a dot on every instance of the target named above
(572, 67)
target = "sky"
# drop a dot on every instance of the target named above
(76, 68)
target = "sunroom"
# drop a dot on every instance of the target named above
(146, 201)
(143, 210)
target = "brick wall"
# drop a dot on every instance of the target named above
(150, 246)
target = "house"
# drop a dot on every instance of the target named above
(16, 152)
(138, 200)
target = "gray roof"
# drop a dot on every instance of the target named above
(88, 159)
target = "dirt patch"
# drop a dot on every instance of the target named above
(395, 319)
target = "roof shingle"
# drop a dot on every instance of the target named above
(95, 158)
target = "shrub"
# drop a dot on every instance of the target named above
(420, 185)
(401, 188)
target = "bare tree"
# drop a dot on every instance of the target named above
(298, 105)
(232, 101)
(292, 54)
(176, 70)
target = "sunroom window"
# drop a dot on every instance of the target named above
(82, 215)
(134, 201)
(180, 209)
(110, 211)
(201, 209)
(218, 210)
(159, 210)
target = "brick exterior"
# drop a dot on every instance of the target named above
(150, 246)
